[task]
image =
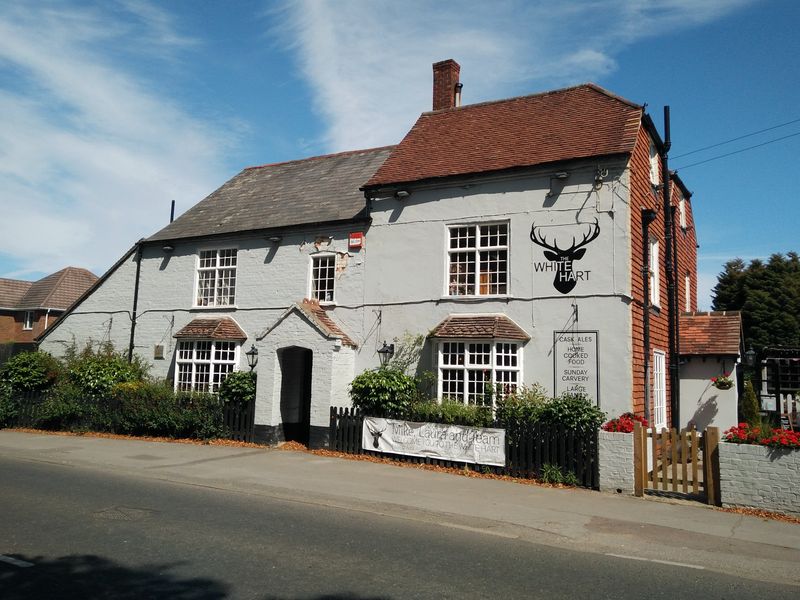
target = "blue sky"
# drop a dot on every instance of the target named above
(111, 109)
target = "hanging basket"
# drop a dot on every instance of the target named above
(722, 382)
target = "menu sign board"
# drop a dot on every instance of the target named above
(575, 363)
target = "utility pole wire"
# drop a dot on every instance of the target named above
(741, 137)
(738, 151)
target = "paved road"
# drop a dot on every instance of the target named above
(94, 532)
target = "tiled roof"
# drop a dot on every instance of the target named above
(710, 333)
(320, 316)
(577, 122)
(58, 290)
(479, 327)
(12, 291)
(312, 190)
(222, 328)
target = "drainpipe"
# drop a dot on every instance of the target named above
(46, 315)
(135, 298)
(648, 216)
(676, 326)
(669, 262)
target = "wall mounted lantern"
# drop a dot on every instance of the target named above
(385, 353)
(252, 357)
(750, 357)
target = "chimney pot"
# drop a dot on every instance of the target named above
(446, 87)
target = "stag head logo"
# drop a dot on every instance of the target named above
(376, 434)
(565, 278)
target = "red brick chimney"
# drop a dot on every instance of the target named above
(446, 88)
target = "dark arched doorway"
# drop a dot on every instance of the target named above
(295, 365)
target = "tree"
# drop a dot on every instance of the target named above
(768, 294)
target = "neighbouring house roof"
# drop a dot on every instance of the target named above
(577, 122)
(710, 333)
(318, 316)
(221, 328)
(299, 192)
(479, 327)
(12, 291)
(58, 290)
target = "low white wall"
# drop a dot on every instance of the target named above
(616, 462)
(759, 477)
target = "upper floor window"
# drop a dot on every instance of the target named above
(216, 277)
(687, 286)
(682, 213)
(655, 278)
(323, 277)
(654, 179)
(202, 365)
(27, 322)
(478, 372)
(478, 260)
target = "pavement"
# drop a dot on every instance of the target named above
(643, 529)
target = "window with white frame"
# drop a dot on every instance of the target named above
(216, 277)
(655, 278)
(323, 277)
(659, 390)
(27, 322)
(654, 179)
(477, 372)
(477, 259)
(202, 365)
(687, 290)
(682, 213)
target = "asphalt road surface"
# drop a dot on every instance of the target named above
(73, 532)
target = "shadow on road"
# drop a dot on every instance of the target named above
(87, 577)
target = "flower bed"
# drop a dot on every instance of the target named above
(624, 423)
(763, 436)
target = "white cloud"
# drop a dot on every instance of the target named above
(90, 153)
(370, 62)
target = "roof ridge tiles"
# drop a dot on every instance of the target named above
(319, 157)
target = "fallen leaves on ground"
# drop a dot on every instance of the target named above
(763, 514)
(143, 438)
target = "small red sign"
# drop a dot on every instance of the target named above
(355, 240)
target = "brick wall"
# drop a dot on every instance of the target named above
(760, 477)
(11, 323)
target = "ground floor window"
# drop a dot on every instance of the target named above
(659, 390)
(478, 372)
(202, 365)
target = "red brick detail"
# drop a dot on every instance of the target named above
(579, 122)
(479, 327)
(445, 78)
(223, 328)
(711, 333)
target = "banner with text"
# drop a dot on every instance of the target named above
(444, 442)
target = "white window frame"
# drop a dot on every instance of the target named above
(313, 293)
(659, 390)
(451, 290)
(218, 299)
(654, 274)
(682, 213)
(28, 320)
(216, 375)
(655, 179)
(687, 291)
(502, 366)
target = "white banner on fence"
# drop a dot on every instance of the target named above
(445, 442)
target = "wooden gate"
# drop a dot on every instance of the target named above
(681, 463)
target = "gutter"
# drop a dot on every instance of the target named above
(135, 298)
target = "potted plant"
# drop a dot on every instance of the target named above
(723, 382)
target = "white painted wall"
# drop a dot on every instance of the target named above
(703, 405)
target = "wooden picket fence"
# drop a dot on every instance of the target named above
(528, 449)
(678, 463)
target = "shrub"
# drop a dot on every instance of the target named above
(451, 412)
(96, 373)
(238, 387)
(30, 371)
(66, 409)
(553, 474)
(751, 411)
(8, 408)
(521, 407)
(573, 411)
(383, 391)
(624, 423)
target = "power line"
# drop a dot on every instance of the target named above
(741, 137)
(737, 151)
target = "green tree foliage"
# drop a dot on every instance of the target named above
(383, 391)
(30, 372)
(95, 373)
(768, 294)
(238, 387)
